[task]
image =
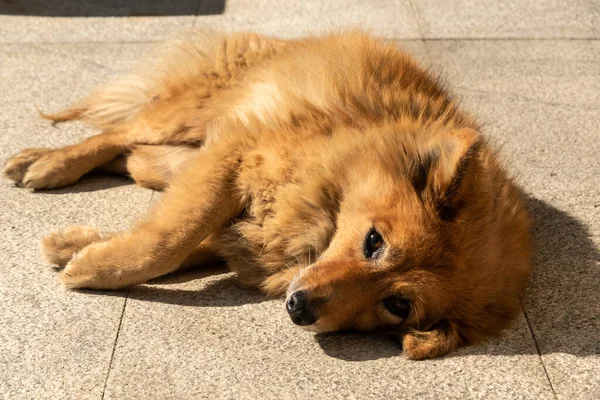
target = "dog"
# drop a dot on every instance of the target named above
(332, 170)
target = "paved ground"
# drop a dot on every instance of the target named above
(531, 70)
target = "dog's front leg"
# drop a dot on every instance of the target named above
(201, 200)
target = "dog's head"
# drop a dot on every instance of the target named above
(431, 244)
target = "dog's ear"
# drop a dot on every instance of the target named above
(442, 168)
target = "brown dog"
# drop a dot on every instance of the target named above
(332, 169)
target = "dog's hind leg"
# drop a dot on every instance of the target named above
(51, 168)
(152, 167)
(202, 199)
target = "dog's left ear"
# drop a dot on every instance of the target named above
(444, 168)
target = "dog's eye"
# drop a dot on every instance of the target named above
(373, 242)
(398, 306)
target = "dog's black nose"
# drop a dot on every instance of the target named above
(298, 308)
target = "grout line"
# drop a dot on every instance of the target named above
(526, 98)
(537, 347)
(73, 57)
(84, 42)
(425, 39)
(431, 65)
(417, 16)
(508, 39)
(112, 354)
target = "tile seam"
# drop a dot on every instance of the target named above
(537, 348)
(112, 355)
(114, 349)
(433, 39)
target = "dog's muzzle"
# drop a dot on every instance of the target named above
(298, 306)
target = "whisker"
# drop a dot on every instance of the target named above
(416, 311)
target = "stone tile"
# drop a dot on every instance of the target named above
(550, 71)
(84, 21)
(551, 143)
(417, 49)
(487, 66)
(558, 166)
(52, 77)
(502, 82)
(196, 335)
(563, 301)
(514, 19)
(568, 72)
(388, 18)
(54, 343)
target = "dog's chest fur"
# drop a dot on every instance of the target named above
(289, 219)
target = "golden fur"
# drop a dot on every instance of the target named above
(280, 156)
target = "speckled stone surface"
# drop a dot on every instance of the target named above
(210, 338)
(539, 100)
(198, 334)
(54, 343)
(388, 18)
(492, 19)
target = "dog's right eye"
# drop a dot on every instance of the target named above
(373, 242)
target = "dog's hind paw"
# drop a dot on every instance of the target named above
(44, 168)
(59, 247)
(16, 167)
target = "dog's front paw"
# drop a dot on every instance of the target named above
(16, 167)
(417, 346)
(88, 269)
(437, 342)
(110, 264)
(60, 247)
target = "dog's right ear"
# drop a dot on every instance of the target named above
(442, 167)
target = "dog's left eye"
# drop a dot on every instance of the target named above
(398, 306)
(373, 242)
